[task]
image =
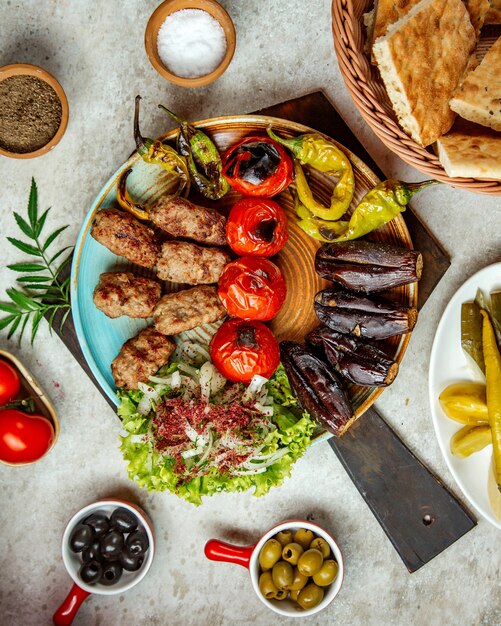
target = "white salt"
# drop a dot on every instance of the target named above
(191, 43)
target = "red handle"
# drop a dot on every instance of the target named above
(216, 550)
(65, 614)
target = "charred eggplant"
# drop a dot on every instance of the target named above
(368, 266)
(318, 389)
(358, 361)
(362, 315)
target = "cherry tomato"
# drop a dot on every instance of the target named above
(257, 226)
(9, 383)
(24, 438)
(242, 349)
(257, 166)
(252, 288)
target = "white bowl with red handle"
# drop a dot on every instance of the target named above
(248, 557)
(80, 590)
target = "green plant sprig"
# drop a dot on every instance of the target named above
(45, 293)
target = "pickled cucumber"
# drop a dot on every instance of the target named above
(465, 403)
(471, 439)
(471, 333)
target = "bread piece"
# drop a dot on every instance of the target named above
(387, 12)
(477, 9)
(478, 99)
(493, 15)
(422, 59)
(470, 151)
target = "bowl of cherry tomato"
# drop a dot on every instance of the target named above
(29, 426)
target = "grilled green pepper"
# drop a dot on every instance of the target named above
(155, 151)
(314, 150)
(313, 226)
(379, 206)
(200, 153)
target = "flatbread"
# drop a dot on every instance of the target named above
(387, 12)
(478, 99)
(470, 151)
(477, 10)
(493, 15)
(422, 59)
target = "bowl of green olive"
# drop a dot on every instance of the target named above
(296, 568)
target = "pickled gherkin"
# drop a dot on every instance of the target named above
(471, 439)
(465, 402)
(471, 333)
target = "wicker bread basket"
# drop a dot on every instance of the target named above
(369, 95)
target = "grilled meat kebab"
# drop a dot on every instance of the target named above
(122, 293)
(141, 357)
(183, 262)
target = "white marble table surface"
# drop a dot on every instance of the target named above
(284, 50)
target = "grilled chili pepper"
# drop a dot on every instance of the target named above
(492, 359)
(314, 150)
(314, 226)
(257, 166)
(200, 154)
(154, 151)
(379, 206)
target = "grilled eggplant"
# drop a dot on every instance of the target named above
(362, 315)
(358, 361)
(318, 389)
(368, 266)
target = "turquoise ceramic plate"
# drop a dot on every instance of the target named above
(101, 337)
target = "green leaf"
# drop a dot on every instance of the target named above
(8, 308)
(33, 204)
(34, 279)
(58, 254)
(22, 300)
(24, 247)
(14, 326)
(27, 267)
(53, 236)
(42, 287)
(23, 326)
(63, 320)
(5, 321)
(37, 317)
(41, 222)
(63, 265)
(24, 226)
(50, 321)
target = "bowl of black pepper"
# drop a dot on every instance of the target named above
(33, 111)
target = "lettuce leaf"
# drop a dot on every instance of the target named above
(155, 472)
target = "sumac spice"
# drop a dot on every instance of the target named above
(30, 113)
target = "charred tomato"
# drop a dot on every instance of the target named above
(242, 349)
(24, 438)
(252, 288)
(9, 382)
(257, 166)
(257, 226)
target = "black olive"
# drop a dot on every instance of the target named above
(111, 574)
(111, 544)
(129, 561)
(93, 552)
(137, 543)
(123, 520)
(99, 522)
(81, 537)
(91, 572)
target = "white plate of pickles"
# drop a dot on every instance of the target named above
(457, 390)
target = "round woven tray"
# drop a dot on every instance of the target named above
(369, 95)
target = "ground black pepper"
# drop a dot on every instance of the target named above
(30, 113)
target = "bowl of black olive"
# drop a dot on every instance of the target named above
(107, 548)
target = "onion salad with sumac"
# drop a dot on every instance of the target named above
(192, 432)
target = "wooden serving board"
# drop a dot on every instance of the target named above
(419, 515)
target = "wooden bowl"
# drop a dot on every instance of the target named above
(24, 69)
(171, 6)
(43, 406)
(369, 95)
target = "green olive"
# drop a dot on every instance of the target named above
(282, 574)
(294, 594)
(284, 537)
(326, 574)
(320, 544)
(299, 581)
(281, 594)
(310, 596)
(292, 552)
(310, 562)
(270, 554)
(304, 537)
(266, 585)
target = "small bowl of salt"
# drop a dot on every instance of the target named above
(190, 42)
